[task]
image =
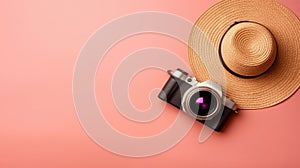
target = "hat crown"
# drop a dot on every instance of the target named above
(248, 49)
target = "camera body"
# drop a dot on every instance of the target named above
(202, 100)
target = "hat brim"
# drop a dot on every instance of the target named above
(280, 81)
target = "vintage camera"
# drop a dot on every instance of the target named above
(202, 100)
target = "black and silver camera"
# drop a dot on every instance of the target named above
(202, 100)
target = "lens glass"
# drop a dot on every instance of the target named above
(203, 103)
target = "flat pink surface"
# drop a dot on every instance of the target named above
(40, 42)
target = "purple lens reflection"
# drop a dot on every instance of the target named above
(200, 100)
(202, 103)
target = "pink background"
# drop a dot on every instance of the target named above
(40, 42)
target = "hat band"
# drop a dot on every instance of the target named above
(228, 68)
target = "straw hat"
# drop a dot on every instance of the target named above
(258, 47)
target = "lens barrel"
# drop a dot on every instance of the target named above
(202, 102)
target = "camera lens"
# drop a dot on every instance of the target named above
(203, 103)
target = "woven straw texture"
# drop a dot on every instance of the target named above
(267, 45)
